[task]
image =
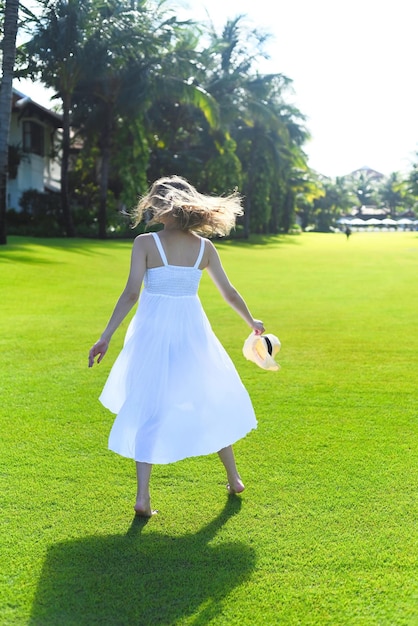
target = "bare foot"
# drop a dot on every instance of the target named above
(236, 486)
(144, 512)
(143, 509)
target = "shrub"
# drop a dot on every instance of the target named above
(40, 215)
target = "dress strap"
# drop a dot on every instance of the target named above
(202, 249)
(160, 248)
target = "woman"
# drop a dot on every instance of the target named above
(173, 388)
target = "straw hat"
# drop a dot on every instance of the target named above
(261, 349)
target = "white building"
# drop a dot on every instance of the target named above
(33, 158)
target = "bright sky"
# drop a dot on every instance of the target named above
(353, 66)
(354, 70)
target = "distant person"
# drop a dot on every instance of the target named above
(347, 232)
(173, 387)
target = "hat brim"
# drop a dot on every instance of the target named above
(255, 349)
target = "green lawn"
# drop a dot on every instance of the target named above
(326, 531)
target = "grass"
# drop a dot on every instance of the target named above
(326, 532)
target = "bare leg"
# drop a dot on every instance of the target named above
(143, 502)
(235, 484)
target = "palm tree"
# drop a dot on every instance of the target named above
(9, 54)
(270, 136)
(267, 132)
(132, 57)
(109, 62)
(364, 184)
(410, 186)
(391, 192)
(412, 178)
(55, 54)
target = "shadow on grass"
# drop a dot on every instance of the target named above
(29, 249)
(141, 578)
(260, 241)
(20, 252)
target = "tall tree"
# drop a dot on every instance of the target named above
(391, 192)
(410, 186)
(55, 54)
(184, 118)
(308, 188)
(8, 60)
(336, 198)
(132, 57)
(207, 115)
(364, 184)
(267, 132)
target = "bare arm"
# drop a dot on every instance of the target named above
(126, 301)
(228, 291)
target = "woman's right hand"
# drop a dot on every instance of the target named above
(99, 349)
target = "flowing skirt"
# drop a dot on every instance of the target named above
(173, 387)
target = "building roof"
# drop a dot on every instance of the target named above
(368, 172)
(26, 106)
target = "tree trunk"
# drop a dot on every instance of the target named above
(249, 194)
(9, 55)
(247, 214)
(288, 212)
(65, 201)
(105, 148)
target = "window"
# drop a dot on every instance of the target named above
(33, 138)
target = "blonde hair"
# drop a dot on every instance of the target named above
(175, 197)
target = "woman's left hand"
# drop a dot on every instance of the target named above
(258, 327)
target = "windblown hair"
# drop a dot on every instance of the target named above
(174, 197)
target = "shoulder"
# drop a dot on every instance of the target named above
(144, 241)
(209, 251)
(212, 255)
(143, 245)
(144, 237)
(209, 247)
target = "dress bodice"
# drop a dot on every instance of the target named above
(173, 280)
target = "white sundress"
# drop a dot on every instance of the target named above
(173, 387)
